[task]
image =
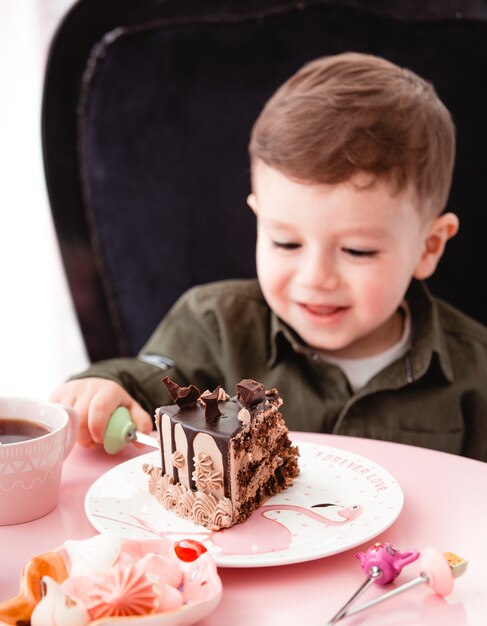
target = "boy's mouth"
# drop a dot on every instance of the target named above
(322, 310)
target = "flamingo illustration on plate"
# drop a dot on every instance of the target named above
(260, 534)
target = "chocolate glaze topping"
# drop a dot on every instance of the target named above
(250, 392)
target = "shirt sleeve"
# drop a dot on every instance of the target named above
(185, 346)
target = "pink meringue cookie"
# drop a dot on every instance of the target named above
(77, 587)
(169, 598)
(161, 568)
(133, 549)
(122, 592)
(95, 594)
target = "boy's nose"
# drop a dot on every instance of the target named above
(319, 274)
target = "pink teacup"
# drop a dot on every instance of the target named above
(43, 434)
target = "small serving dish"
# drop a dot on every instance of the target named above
(200, 585)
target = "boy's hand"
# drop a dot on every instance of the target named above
(95, 399)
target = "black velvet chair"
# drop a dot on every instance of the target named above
(146, 116)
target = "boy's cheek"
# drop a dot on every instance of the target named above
(273, 272)
(267, 264)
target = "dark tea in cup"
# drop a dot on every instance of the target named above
(14, 429)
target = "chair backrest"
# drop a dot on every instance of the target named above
(146, 117)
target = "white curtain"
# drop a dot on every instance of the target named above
(40, 341)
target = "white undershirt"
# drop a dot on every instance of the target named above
(360, 371)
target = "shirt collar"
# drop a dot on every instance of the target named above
(281, 334)
(428, 335)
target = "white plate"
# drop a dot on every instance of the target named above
(362, 499)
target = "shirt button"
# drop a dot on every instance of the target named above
(315, 356)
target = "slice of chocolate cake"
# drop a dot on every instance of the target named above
(221, 457)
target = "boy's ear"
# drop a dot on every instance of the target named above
(252, 202)
(439, 231)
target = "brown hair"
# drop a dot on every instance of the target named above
(352, 112)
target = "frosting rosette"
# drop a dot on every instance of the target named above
(222, 516)
(204, 506)
(185, 504)
(205, 476)
(166, 481)
(209, 481)
(200, 481)
(203, 462)
(171, 495)
(178, 459)
(214, 481)
(154, 483)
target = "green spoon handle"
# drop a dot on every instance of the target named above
(120, 431)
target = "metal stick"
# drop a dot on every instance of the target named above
(422, 578)
(374, 574)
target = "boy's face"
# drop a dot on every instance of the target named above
(334, 261)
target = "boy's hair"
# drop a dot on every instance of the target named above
(352, 112)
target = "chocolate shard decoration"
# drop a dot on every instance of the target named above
(182, 396)
(171, 387)
(212, 410)
(250, 392)
(187, 396)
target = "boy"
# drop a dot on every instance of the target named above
(351, 164)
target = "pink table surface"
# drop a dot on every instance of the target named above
(445, 507)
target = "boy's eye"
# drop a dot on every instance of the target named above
(286, 245)
(360, 253)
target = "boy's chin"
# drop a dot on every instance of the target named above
(339, 349)
(332, 348)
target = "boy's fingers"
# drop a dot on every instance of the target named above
(84, 439)
(141, 418)
(95, 404)
(100, 410)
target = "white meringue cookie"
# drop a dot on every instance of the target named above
(56, 609)
(89, 557)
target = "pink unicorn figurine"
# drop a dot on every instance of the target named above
(387, 558)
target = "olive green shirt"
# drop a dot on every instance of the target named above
(435, 396)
